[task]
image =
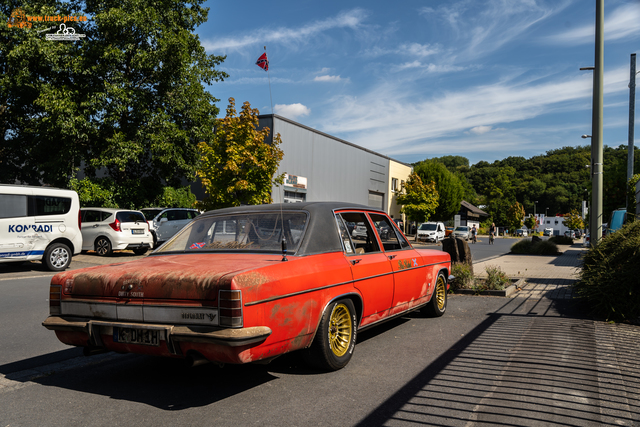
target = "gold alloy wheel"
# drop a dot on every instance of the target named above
(441, 290)
(340, 330)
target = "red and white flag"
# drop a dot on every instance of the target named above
(263, 62)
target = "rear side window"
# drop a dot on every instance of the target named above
(130, 216)
(91, 216)
(47, 205)
(13, 205)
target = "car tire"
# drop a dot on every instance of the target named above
(57, 257)
(155, 239)
(103, 247)
(335, 339)
(438, 304)
(140, 251)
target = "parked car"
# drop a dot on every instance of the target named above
(462, 232)
(548, 232)
(105, 230)
(570, 233)
(246, 296)
(586, 242)
(431, 232)
(521, 232)
(168, 221)
(39, 223)
(448, 231)
(618, 219)
(578, 233)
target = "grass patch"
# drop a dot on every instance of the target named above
(528, 247)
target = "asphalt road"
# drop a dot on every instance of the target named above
(487, 361)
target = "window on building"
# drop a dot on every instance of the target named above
(293, 197)
(394, 184)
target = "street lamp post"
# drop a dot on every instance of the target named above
(632, 118)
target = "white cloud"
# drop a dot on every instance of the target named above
(328, 78)
(292, 111)
(623, 22)
(479, 130)
(388, 119)
(349, 19)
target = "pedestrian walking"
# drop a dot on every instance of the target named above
(474, 233)
(492, 233)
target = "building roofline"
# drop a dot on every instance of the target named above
(284, 119)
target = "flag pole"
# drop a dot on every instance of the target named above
(269, 78)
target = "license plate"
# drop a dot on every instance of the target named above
(136, 336)
(137, 231)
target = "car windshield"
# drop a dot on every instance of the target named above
(428, 227)
(261, 232)
(149, 214)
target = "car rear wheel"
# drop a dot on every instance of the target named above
(57, 257)
(335, 339)
(438, 304)
(103, 247)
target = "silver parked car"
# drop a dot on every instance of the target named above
(165, 222)
(462, 232)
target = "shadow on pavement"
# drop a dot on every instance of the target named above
(532, 362)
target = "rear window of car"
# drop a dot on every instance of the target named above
(247, 232)
(130, 216)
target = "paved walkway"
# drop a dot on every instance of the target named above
(545, 276)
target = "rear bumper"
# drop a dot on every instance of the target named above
(94, 329)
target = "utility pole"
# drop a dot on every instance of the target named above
(632, 118)
(596, 134)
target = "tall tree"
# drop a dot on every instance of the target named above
(419, 201)
(238, 165)
(127, 99)
(447, 184)
(573, 220)
(515, 216)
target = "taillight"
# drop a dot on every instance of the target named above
(54, 299)
(115, 225)
(230, 306)
(79, 220)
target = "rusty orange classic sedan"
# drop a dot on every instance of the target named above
(251, 283)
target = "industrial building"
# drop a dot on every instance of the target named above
(320, 167)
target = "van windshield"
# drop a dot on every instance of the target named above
(428, 227)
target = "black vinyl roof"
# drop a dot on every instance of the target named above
(321, 235)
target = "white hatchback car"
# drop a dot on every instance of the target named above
(105, 230)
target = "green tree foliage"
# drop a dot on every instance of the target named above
(449, 188)
(530, 222)
(419, 201)
(128, 99)
(573, 220)
(609, 278)
(515, 216)
(176, 198)
(238, 165)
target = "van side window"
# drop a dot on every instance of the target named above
(13, 206)
(46, 205)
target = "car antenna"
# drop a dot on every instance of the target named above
(284, 239)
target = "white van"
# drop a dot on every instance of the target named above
(431, 231)
(39, 223)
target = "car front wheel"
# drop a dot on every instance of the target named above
(335, 339)
(438, 304)
(103, 247)
(57, 257)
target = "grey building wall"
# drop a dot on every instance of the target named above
(336, 170)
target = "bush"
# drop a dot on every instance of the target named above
(561, 240)
(463, 276)
(609, 278)
(496, 279)
(528, 247)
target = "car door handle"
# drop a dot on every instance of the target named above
(392, 256)
(355, 261)
(96, 226)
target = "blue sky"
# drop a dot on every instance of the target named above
(483, 79)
